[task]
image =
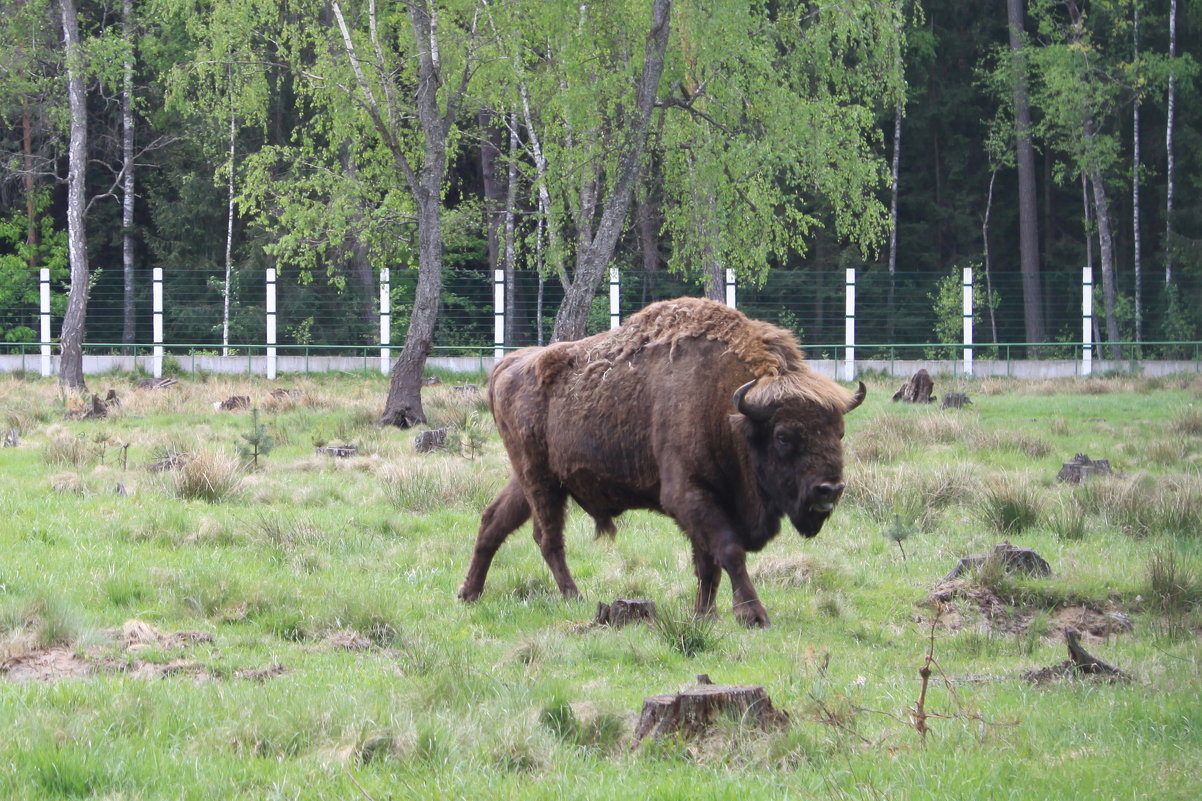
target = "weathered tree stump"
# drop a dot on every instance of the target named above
(433, 440)
(98, 410)
(12, 438)
(431, 381)
(1081, 468)
(233, 403)
(340, 451)
(1080, 663)
(155, 383)
(955, 400)
(917, 390)
(694, 711)
(1013, 559)
(623, 611)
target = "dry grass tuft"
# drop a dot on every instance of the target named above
(208, 475)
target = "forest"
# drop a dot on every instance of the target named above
(673, 139)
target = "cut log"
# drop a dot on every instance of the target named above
(234, 403)
(1082, 468)
(466, 389)
(917, 390)
(155, 383)
(340, 451)
(1013, 559)
(281, 393)
(623, 611)
(955, 400)
(433, 440)
(696, 710)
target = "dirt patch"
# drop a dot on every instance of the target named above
(120, 656)
(964, 604)
(349, 640)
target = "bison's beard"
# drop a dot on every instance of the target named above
(808, 522)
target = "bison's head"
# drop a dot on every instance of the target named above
(794, 430)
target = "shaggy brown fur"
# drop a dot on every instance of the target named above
(642, 418)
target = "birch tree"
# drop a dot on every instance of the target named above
(71, 339)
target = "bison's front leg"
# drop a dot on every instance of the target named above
(709, 576)
(747, 606)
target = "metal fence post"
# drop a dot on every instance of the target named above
(730, 289)
(44, 293)
(968, 310)
(385, 318)
(498, 314)
(271, 357)
(1086, 321)
(156, 311)
(849, 335)
(615, 299)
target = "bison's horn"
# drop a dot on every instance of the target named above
(858, 398)
(744, 408)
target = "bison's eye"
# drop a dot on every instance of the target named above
(786, 441)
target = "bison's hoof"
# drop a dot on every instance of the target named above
(468, 594)
(752, 615)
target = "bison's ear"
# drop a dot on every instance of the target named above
(858, 398)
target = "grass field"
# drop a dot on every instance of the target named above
(211, 631)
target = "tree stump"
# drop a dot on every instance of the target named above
(1013, 559)
(696, 710)
(431, 381)
(917, 390)
(98, 410)
(1080, 663)
(433, 440)
(12, 438)
(1081, 468)
(340, 451)
(466, 389)
(955, 400)
(623, 611)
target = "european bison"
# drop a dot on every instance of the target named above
(690, 409)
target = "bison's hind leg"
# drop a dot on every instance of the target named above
(508, 511)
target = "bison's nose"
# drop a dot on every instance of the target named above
(825, 495)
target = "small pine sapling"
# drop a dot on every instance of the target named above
(898, 531)
(258, 441)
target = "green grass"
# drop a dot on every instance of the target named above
(516, 696)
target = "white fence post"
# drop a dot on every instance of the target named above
(498, 314)
(730, 289)
(44, 294)
(271, 356)
(849, 335)
(615, 299)
(156, 332)
(1086, 321)
(968, 311)
(385, 319)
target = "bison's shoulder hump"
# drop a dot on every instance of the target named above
(764, 348)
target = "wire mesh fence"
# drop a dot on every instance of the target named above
(911, 315)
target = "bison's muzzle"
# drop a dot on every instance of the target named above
(817, 507)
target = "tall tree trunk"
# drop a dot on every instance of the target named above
(1136, 168)
(897, 133)
(592, 260)
(1027, 206)
(71, 340)
(403, 406)
(1106, 253)
(1168, 145)
(494, 196)
(31, 220)
(986, 260)
(512, 323)
(227, 285)
(130, 311)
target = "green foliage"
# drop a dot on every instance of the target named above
(258, 441)
(948, 306)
